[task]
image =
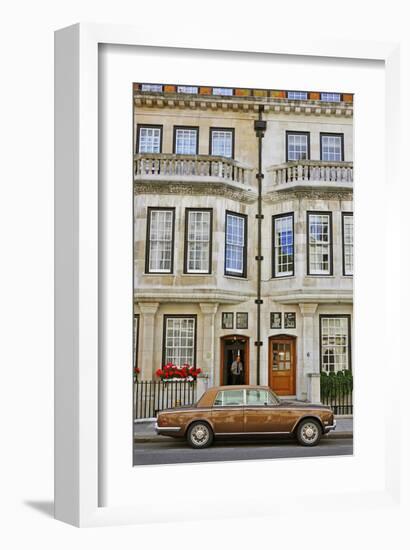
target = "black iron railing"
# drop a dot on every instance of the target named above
(336, 391)
(151, 396)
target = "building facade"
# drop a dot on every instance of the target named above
(197, 271)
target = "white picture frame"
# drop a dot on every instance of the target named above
(79, 413)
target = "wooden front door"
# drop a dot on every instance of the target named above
(231, 346)
(282, 364)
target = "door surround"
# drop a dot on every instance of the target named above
(284, 338)
(222, 349)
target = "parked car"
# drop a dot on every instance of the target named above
(245, 411)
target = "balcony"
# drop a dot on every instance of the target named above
(311, 173)
(191, 169)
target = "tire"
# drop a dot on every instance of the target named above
(200, 435)
(309, 432)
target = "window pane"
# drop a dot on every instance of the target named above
(297, 95)
(283, 243)
(332, 148)
(297, 146)
(198, 241)
(149, 140)
(185, 141)
(222, 143)
(335, 344)
(160, 241)
(187, 89)
(235, 243)
(329, 97)
(258, 397)
(180, 340)
(348, 244)
(229, 398)
(319, 244)
(151, 87)
(222, 91)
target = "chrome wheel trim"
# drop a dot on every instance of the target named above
(200, 435)
(309, 432)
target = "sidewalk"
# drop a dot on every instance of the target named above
(144, 431)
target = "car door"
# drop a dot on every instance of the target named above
(227, 412)
(261, 412)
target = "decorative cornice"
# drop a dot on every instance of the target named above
(308, 193)
(204, 188)
(303, 296)
(285, 106)
(198, 296)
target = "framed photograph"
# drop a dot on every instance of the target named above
(276, 319)
(242, 320)
(289, 320)
(151, 242)
(227, 320)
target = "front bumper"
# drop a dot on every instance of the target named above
(328, 429)
(167, 430)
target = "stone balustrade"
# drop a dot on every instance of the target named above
(312, 172)
(160, 166)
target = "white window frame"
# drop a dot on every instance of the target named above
(330, 96)
(277, 246)
(151, 88)
(225, 132)
(348, 247)
(222, 91)
(320, 244)
(289, 137)
(297, 95)
(179, 339)
(236, 246)
(191, 244)
(177, 145)
(153, 129)
(187, 89)
(322, 147)
(150, 241)
(335, 342)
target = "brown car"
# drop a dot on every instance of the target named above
(245, 411)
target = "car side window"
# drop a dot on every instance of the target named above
(229, 398)
(259, 397)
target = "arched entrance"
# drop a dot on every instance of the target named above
(282, 364)
(231, 346)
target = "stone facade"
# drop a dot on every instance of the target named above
(170, 181)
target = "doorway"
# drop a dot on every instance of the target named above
(282, 364)
(231, 347)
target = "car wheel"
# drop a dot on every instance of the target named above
(200, 435)
(309, 432)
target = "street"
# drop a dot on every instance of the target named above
(176, 452)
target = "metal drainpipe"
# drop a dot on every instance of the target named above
(260, 128)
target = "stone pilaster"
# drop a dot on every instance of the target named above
(207, 361)
(313, 393)
(148, 312)
(311, 371)
(308, 311)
